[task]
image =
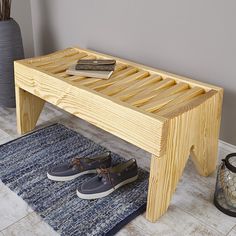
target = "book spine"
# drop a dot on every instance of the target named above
(95, 67)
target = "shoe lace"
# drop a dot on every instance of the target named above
(77, 162)
(105, 173)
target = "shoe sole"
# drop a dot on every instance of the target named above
(71, 177)
(106, 193)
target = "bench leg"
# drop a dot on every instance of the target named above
(166, 170)
(195, 131)
(28, 109)
(165, 173)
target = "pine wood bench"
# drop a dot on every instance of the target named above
(167, 115)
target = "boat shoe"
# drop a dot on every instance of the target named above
(79, 166)
(108, 180)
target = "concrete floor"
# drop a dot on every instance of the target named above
(191, 211)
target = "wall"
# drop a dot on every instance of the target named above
(190, 38)
(21, 12)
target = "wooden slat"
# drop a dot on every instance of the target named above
(63, 61)
(153, 106)
(131, 93)
(170, 91)
(173, 108)
(53, 57)
(124, 83)
(191, 93)
(150, 92)
(118, 75)
(76, 78)
(64, 74)
(142, 83)
(65, 65)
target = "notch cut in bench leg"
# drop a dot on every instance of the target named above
(28, 109)
(204, 152)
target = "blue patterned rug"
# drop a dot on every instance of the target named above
(23, 166)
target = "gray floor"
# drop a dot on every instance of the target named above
(191, 211)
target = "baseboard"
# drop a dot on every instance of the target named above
(227, 146)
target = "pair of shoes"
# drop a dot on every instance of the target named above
(108, 178)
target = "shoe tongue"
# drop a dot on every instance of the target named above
(103, 173)
(83, 161)
(86, 160)
(102, 178)
(77, 162)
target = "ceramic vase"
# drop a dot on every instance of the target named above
(11, 49)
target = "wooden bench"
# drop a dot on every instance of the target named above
(167, 115)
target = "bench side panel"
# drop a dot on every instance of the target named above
(136, 127)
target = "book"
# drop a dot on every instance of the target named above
(89, 73)
(97, 65)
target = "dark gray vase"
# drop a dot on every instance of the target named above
(11, 49)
